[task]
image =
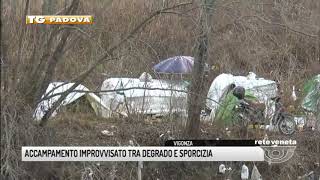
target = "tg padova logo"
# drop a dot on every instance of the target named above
(65, 19)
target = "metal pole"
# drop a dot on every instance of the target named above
(140, 166)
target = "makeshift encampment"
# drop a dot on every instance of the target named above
(155, 97)
(260, 88)
(176, 65)
(311, 90)
(54, 92)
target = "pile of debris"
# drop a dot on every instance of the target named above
(222, 103)
(145, 95)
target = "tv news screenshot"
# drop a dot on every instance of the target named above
(160, 89)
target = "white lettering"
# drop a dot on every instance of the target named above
(31, 18)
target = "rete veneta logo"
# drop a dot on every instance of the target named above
(65, 19)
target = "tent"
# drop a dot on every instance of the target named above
(54, 91)
(262, 89)
(153, 97)
(311, 90)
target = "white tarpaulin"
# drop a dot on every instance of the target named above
(54, 91)
(153, 96)
(261, 88)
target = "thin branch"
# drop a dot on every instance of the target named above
(84, 33)
(281, 25)
(22, 34)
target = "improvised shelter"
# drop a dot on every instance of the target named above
(311, 90)
(224, 114)
(54, 92)
(144, 95)
(262, 89)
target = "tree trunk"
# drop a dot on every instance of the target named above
(45, 76)
(318, 56)
(195, 97)
(4, 60)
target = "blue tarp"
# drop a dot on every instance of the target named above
(176, 64)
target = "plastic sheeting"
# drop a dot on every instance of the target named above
(224, 114)
(311, 89)
(53, 93)
(261, 88)
(244, 172)
(157, 97)
(145, 77)
(255, 173)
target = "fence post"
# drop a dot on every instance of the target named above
(140, 166)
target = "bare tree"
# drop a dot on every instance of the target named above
(195, 99)
(43, 60)
(319, 46)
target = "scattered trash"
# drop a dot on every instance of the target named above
(107, 133)
(308, 176)
(203, 131)
(228, 132)
(255, 173)
(131, 143)
(293, 95)
(265, 137)
(87, 174)
(244, 172)
(145, 77)
(301, 121)
(222, 169)
(312, 122)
